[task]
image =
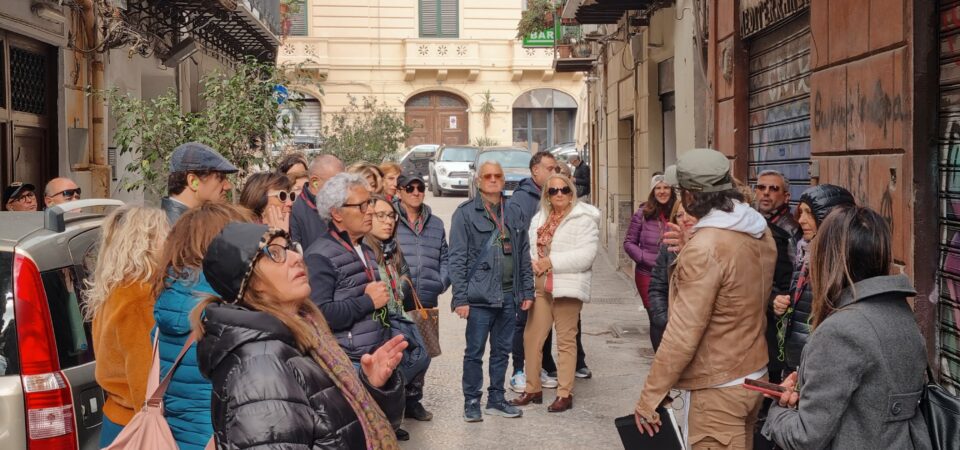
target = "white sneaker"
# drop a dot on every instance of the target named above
(518, 383)
(546, 381)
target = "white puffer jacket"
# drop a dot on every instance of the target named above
(574, 247)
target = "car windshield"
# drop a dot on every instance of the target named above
(507, 159)
(458, 154)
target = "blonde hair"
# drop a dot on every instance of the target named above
(131, 240)
(545, 205)
(365, 170)
(390, 167)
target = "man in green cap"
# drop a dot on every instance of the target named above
(718, 300)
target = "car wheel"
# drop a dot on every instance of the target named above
(435, 188)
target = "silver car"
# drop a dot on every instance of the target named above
(49, 397)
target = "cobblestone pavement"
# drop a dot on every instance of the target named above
(617, 344)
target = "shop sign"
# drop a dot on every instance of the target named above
(758, 15)
(545, 38)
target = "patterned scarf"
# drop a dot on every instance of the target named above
(376, 427)
(545, 232)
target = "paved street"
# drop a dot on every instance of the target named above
(618, 351)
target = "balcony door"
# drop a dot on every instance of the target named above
(437, 118)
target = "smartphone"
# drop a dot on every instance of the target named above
(773, 390)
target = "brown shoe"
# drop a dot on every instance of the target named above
(561, 404)
(528, 398)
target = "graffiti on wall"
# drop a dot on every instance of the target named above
(949, 277)
(871, 105)
(758, 15)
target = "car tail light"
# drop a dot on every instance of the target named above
(46, 392)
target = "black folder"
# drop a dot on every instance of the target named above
(668, 438)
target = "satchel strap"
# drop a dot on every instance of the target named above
(157, 397)
(416, 298)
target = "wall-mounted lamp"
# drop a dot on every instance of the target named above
(47, 11)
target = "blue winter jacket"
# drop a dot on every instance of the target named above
(525, 202)
(187, 401)
(469, 233)
(425, 254)
(337, 284)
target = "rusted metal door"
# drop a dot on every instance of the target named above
(949, 192)
(780, 103)
(437, 118)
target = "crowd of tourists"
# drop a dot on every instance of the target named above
(305, 314)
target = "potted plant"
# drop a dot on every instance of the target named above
(534, 19)
(566, 43)
(290, 7)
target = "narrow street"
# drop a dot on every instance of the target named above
(618, 352)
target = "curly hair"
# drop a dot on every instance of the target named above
(129, 251)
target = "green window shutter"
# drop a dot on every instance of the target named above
(429, 18)
(449, 15)
(298, 22)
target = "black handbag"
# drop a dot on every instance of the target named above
(941, 411)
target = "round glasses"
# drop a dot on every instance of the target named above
(283, 196)
(278, 253)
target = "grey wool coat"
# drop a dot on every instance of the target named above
(861, 376)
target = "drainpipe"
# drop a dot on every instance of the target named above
(99, 165)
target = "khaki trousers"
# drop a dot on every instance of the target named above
(548, 312)
(723, 418)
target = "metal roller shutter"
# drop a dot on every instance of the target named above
(779, 103)
(307, 121)
(949, 194)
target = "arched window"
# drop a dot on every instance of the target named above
(545, 117)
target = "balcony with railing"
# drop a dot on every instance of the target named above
(573, 52)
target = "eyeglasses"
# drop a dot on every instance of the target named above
(492, 176)
(25, 197)
(765, 188)
(415, 187)
(282, 195)
(278, 253)
(384, 215)
(68, 193)
(564, 190)
(362, 206)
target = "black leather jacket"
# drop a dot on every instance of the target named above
(659, 293)
(267, 394)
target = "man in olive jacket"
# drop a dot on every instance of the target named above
(718, 299)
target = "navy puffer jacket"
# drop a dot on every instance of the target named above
(425, 254)
(337, 283)
(821, 199)
(268, 394)
(525, 201)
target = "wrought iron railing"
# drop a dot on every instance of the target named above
(269, 13)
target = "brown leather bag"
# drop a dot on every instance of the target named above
(428, 322)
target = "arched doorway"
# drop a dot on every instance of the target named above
(437, 118)
(543, 118)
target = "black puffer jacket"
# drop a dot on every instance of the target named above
(659, 293)
(821, 199)
(267, 394)
(337, 284)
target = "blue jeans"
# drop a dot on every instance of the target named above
(108, 432)
(497, 324)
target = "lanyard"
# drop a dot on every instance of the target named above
(801, 282)
(499, 223)
(366, 267)
(306, 198)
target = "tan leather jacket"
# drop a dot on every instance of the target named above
(718, 299)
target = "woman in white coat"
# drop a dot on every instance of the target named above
(564, 236)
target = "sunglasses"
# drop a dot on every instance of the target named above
(278, 253)
(384, 215)
(765, 188)
(492, 176)
(415, 187)
(282, 195)
(25, 197)
(564, 190)
(363, 206)
(69, 193)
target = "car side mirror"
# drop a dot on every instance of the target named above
(472, 166)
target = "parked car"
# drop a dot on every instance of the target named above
(450, 169)
(416, 161)
(562, 153)
(514, 160)
(48, 392)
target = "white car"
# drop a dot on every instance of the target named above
(450, 169)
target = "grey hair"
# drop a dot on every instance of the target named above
(783, 179)
(335, 191)
(489, 162)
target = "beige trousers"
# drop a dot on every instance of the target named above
(549, 312)
(723, 418)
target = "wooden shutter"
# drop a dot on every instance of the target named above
(429, 20)
(449, 12)
(298, 22)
